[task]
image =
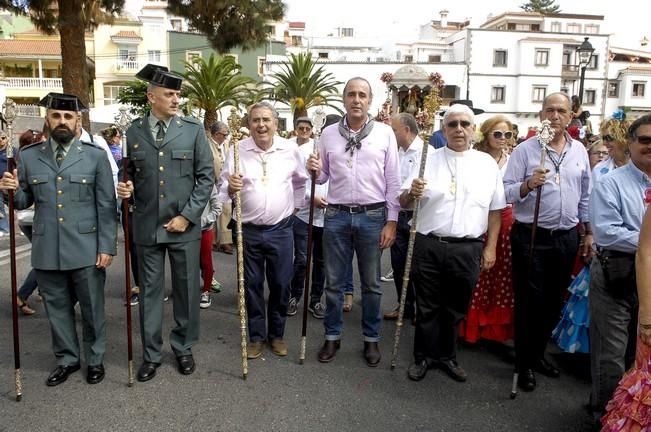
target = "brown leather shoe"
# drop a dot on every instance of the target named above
(254, 350)
(226, 248)
(278, 347)
(372, 354)
(329, 350)
(391, 315)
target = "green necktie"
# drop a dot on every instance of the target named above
(60, 155)
(160, 136)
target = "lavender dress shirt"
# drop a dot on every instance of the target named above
(562, 206)
(370, 176)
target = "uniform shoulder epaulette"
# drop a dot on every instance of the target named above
(92, 144)
(25, 147)
(189, 119)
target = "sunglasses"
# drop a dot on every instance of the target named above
(608, 138)
(222, 134)
(455, 124)
(644, 139)
(3, 137)
(304, 129)
(599, 153)
(500, 135)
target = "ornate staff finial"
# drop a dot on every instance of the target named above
(123, 120)
(425, 118)
(234, 124)
(10, 112)
(545, 133)
(318, 120)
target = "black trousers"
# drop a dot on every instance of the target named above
(398, 259)
(539, 290)
(444, 276)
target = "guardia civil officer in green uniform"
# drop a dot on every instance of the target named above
(74, 233)
(171, 172)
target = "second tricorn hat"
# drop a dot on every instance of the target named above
(62, 102)
(160, 76)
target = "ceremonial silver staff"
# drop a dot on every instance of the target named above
(544, 134)
(318, 120)
(122, 123)
(9, 112)
(431, 104)
(234, 123)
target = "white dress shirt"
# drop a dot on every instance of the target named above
(458, 208)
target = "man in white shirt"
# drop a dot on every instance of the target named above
(461, 196)
(410, 147)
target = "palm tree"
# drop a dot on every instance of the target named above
(215, 83)
(302, 85)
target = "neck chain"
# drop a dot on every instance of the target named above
(556, 161)
(263, 161)
(453, 183)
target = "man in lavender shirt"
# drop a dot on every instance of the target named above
(272, 185)
(539, 282)
(360, 159)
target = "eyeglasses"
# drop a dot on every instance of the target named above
(222, 134)
(644, 139)
(304, 128)
(3, 137)
(500, 135)
(599, 153)
(455, 124)
(608, 138)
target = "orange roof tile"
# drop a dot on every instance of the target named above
(126, 35)
(29, 47)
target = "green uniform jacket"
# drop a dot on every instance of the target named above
(175, 179)
(75, 213)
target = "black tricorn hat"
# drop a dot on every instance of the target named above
(160, 76)
(63, 102)
(466, 102)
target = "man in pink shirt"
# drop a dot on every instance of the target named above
(360, 159)
(272, 185)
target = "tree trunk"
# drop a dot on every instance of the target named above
(209, 118)
(299, 112)
(73, 53)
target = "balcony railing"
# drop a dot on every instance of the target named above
(28, 110)
(45, 83)
(570, 70)
(126, 66)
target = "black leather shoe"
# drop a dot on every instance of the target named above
(147, 371)
(527, 380)
(60, 374)
(95, 374)
(372, 354)
(454, 371)
(329, 350)
(547, 369)
(186, 364)
(418, 370)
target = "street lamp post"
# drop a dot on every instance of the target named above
(584, 51)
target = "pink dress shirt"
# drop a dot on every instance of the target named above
(267, 201)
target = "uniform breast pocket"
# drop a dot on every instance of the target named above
(39, 183)
(138, 160)
(82, 186)
(182, 162)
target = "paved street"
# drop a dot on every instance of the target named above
(279, 394)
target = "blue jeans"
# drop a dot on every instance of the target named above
(343, 234)
(29, 285)
(268, 255)
(4, 218)
(300, 261)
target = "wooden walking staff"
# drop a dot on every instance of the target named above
(122, 123)
(234, 123)
(9, 113)
(431, 104)
(318, 120)
(544, 134)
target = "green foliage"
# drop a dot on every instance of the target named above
(134, 94)
(547, 7)
(215, 83)
(302, 84)
(230, 23)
